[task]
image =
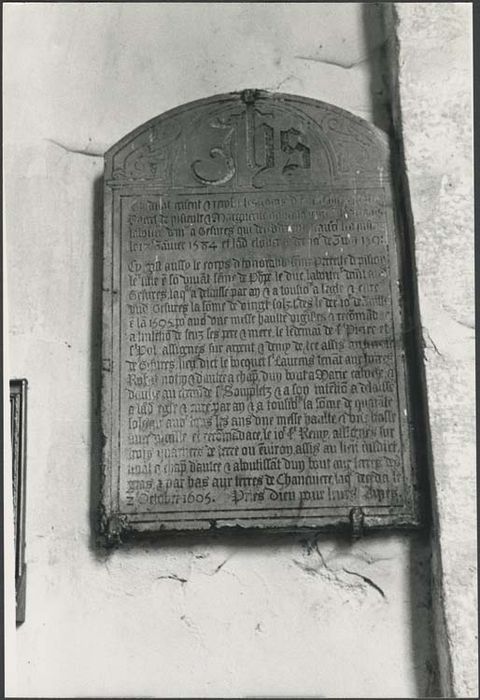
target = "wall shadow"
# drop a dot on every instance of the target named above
(376, 37)
(424, 654)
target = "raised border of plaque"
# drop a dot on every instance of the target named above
(252, 152)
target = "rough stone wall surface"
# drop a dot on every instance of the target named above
(228, 616)
(435, 92)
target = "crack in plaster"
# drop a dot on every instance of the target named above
(456, 319)
(220, 566)
(332, 62)
(340, 63)
(367, 581)
(278, 85)
(332, 575)
(79, 151)
(193, 627)
(328, 575)
(432, 342)
(173, 577)
(217, 568)
(463, 323)
(368, 558)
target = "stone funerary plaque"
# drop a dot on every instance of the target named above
(253, 346)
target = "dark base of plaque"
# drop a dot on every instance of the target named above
(119, 528)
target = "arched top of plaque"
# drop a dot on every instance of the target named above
(250, 139)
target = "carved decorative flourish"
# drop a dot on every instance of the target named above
(298, 152)
(347, 128)
(151, 160)
(222, 169)
(263, 147)
(259, 147)
(353, 145)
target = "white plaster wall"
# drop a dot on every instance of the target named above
(203, 616)
(435, 92)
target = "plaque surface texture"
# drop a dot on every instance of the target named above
(254, 365)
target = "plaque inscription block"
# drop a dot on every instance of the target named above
(253, 350)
